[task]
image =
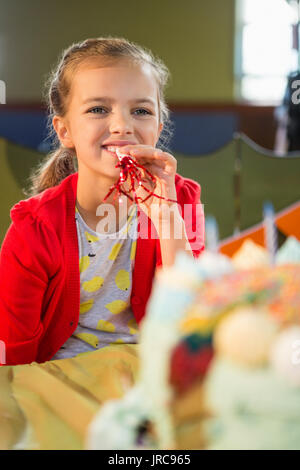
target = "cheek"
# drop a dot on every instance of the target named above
(87, 133)
(150, 133)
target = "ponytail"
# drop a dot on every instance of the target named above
(58, 164)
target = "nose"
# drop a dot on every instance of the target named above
(121, 123)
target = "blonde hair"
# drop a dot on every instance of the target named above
(61, 162)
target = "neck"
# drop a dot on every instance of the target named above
(91, 192)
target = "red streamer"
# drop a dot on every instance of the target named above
(131, 169)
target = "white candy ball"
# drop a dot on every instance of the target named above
(245, 336)
(285, 355)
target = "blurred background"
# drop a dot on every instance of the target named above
(233, 92)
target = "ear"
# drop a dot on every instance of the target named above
(62, 132)
(160, 128)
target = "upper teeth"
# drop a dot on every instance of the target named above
(111, 148)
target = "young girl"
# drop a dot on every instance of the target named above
(67, 286)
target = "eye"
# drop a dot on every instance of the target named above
(102, 110)
(142, 112)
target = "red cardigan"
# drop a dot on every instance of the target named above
(39, 269)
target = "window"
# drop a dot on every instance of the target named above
(266, 48)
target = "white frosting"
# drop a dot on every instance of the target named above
(214, 265)
(289, 252)
(250, 255)
(174, 290)
(115, 425)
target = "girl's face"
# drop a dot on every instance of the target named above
(110, 106)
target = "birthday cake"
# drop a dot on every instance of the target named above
(220, 358)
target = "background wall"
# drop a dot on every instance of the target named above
(193, 37)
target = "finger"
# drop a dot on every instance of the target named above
(159, 158)
(150, 163)
(146, 151)
(127, 149)
(149, 153)
(154, 162)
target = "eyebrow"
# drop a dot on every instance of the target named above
(104, 99)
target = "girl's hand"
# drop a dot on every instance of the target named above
(163, 167)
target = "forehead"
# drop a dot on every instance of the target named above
(120, 81)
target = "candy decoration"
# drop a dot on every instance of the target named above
(285, 355)
(245, 336)
(190, 361)
(196, 341)
(129, 168)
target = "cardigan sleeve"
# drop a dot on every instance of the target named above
(193, 214)
(27, 261)
(188, 197)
